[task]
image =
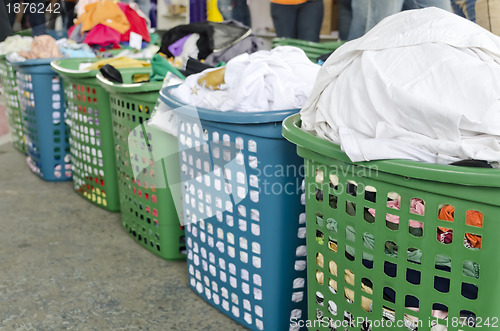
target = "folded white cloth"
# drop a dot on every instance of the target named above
(421, 85)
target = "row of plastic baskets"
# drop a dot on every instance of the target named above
(400, 244)
(245, 224)
(41, 102)
(146, 203)
(312, 49)
(91, 139)
(14, 115)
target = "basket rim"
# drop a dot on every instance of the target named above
(33, 62)
(231, 117)
(130, 88)
(60, 66)
(483, 177)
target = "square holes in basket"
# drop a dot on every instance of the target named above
(225, 209)
(14, 115)
(363, 229)
(86, 143)
(45, 130)
(144, 199)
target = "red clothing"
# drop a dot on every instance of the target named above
(289, 2)
(137, 23)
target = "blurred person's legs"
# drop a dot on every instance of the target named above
(345, 18)
(226, 9)
(368, 13)
(15, 16)
(285, 20)
(68, 13)
(417, 4)
(301, 21)
(465, 8)
(309, 20)
(36, 16)
(10, 13)
(241, 12)
(53, 11)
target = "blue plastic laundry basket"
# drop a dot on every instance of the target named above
(42, 105)
(245, 231)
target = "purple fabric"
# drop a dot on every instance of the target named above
(176, 47)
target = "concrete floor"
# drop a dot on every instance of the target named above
(67, 265)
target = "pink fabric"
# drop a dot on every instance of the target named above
(102, 35)
(416, 207)
(43, 47)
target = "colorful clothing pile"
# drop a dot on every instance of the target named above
(209, 41)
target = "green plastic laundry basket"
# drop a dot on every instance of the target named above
(405, 274)
(91, 140)
(147, 207)
(312, 49)
(14, 114)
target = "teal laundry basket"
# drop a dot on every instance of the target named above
(245, 231)
(42, 105)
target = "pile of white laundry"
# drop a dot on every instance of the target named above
(421, 85)
(279, 79)
(15, 43)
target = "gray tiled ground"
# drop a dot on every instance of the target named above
(67, 265)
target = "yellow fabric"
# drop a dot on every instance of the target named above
(104, 12)
(332, 284)
(320, 277)
(348, 293)
(332, 245)
(213, 13)
(332, 266)
(366, 303)
(349, 277)
(289, 2)
(213, 80)
(140, 78)
(320, 260)
(119, 62)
